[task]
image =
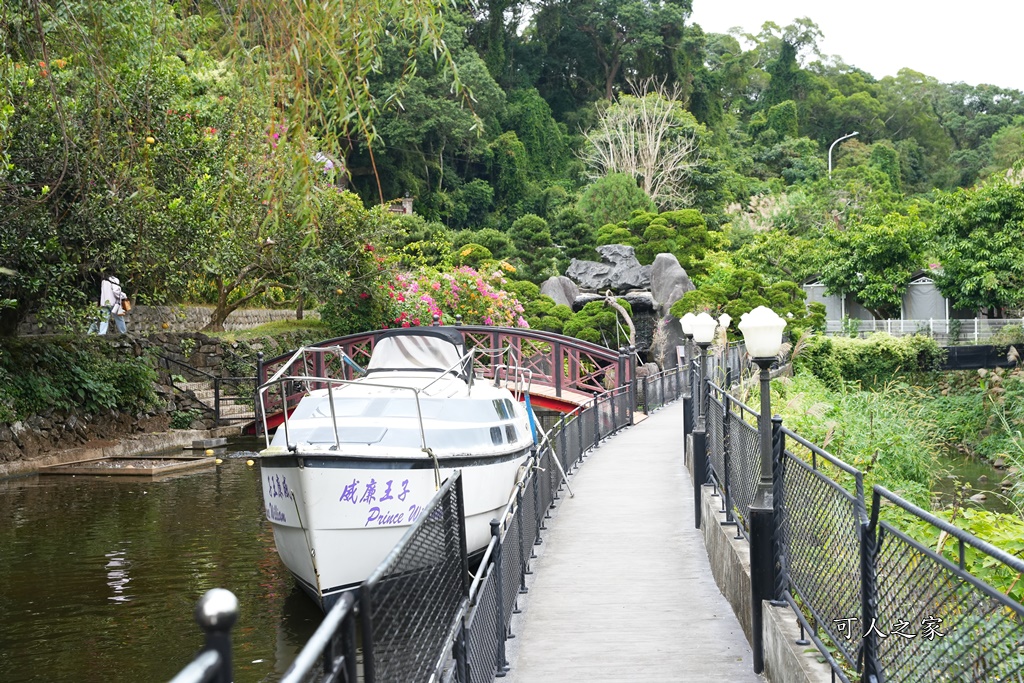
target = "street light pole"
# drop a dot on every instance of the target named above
(703, 327)
(762, 332)
(849, 135)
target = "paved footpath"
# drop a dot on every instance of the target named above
(622, 590)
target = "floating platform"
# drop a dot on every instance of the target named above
(136, 466)
(203, 444)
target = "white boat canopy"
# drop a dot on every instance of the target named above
(422, 349)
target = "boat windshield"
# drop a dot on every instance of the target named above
(387, 407)
(415, 352)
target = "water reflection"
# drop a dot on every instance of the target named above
(117, 575)
(99, 576)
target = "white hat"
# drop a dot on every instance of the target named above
(114, 280)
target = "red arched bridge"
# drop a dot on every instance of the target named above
(563, 372)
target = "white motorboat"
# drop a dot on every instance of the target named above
(356, 461)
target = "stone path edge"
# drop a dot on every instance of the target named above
(137, 444)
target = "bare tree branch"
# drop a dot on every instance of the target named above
(642, 135)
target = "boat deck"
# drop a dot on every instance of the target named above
(622, 588)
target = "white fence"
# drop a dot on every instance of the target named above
(964, 331)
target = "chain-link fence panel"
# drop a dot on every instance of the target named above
(744, 465)
(412, 599)
(623, 408)
(821, 527)
(938, 622)
(713, 425)
(484, 635)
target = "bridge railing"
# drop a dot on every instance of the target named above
(419, 617)
(562, 363)
(879, 604)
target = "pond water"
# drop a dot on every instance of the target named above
(99, 576)
(957, 470)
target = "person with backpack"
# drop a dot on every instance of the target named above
(112, 304)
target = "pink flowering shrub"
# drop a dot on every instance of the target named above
(415, 298)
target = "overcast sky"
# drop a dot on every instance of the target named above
(978, 41)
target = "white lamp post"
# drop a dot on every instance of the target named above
(762, 332)
(848, 135)
(723, 324)
(686, 323)
(704, 327)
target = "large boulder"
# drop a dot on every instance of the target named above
(669, 282)
(619, 270)
(560, 288)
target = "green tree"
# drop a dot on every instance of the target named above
(612, 199)
(875, 262)
(603, 41)
(978, 240)
(536, 254)
(737, 291)
(599, 323)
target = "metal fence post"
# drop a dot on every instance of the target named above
(762, 584)
(687, 407)
(700, 471)
(257, 408)
(631, 366)
(499, 658)
(726, 457)
(216, 401)
(538, 514)
(522, 545)
(597, 425)
(778, 508)
(216, 612)
(870, 539)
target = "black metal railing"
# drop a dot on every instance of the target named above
(878, 604)
(234, 391)
(941, 622)
(419, 617)
(658, 389)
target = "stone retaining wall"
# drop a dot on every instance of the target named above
(197, 356)
(55, 430)
(150, 319)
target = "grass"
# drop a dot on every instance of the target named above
(881, 432)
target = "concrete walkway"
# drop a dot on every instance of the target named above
(622, 590)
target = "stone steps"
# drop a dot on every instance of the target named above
(232, 408)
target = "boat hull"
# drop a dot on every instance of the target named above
(335, 519)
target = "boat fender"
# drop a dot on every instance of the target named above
(533, 419)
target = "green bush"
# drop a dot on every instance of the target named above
(181, 419)
(65, 373)
(472, 255)
(348, 313)
(596, 323)
(544, 314)
(872, 361)
(613, 198)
